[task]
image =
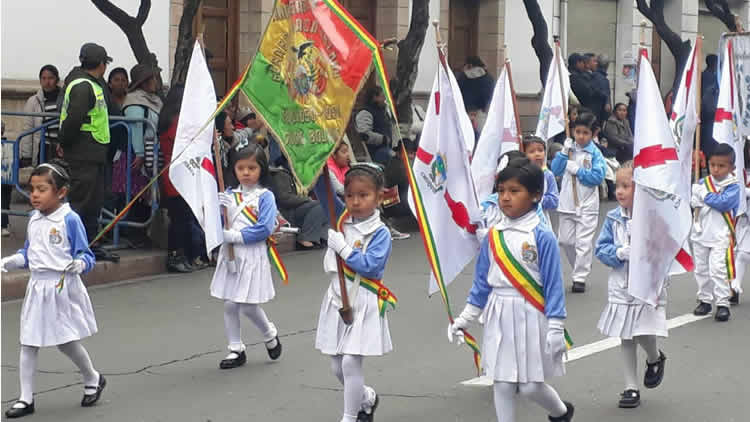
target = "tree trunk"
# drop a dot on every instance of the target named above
(720, 9)
(407, 66)
(539, 40)
(680, 49)
(185, 42)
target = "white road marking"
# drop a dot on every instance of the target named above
(591, 348)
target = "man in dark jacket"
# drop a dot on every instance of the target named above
(602, 86)
(599, 86)
(580, 80)
(84, 135)
(709, 100)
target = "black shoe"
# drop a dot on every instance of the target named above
(300, 247)
(579, 287)
(629, 399)
(654, 372)
(567, 417)
(703, 308)
(363, 416)
(177, 263)
(17, 412)
(722, 314)
(735, 299)
(276, 351)
(229, 363)
(102, 254)
(90, 399)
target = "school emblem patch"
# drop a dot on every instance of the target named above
(54, 236)
(358, 244)
(587, 164)
(438, 173)
(528, 253)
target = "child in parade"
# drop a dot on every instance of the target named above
(56, 310)
(625, 317)
(518, 295)
(743, 236)
(246, 282)
(715, 199)
(536, 151)
(363, 243)
(582, 167)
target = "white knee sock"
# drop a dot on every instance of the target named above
(232, 326)
(26, 370)
(649, 345)
(629, 364)
(256, 314)
(743, 260)
(80, 357)
(545, 396)
(505, 401)
(338, 372)
(354, 386)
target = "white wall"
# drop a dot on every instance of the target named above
(37, 32)
(518, 33)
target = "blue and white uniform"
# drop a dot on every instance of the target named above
(625, 316)
(578, 223)
(53, 315)
(743, 239)
(492, 214)
(514, 341)
(551, 197)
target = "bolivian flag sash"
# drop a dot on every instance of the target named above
(730, 220)
(385, 296)
(273, 253)
(518, 276)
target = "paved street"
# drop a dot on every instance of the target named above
(161, 340)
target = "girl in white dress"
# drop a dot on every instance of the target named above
(625, 317)
(518, 295)
(245, 282)
(56, 310)
(363, 242)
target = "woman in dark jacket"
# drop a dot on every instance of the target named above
(617, 131)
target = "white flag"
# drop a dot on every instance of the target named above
(443, 178)
(661, 214)
(725, 121)
(499, 136)
(555, 101)
(193, 173)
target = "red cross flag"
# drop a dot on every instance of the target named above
(661, 211)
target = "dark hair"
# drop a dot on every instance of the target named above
(369, 171)
(586, 118)
(589, 56)
(712, 60)
(575, 107)
(171, 108)
(255, 151)
(528, 174)
(51, 69)
(90, 65)
(475, 61)
(372, 92)
(511, 155)
(338, 147)
(573, 59)
(220, 120)
(115, 71)
(527, 141)
(723, 150)
(57, 170)
(618, 105)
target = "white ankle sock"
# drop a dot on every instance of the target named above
(232, 326)
(545, 396)
(26, 371)
(505, 401)
(256, 314)
(649, 345)
(354, 384)
(629, 364)
(80, 357)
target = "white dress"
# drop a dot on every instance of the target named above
(54, 314)
(625, 316)
(253, 282)
(369, 334)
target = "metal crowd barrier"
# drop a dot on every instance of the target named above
(11, 170)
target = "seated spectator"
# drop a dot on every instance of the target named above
(338, 165)
(300, 211)
(617, 131)
(44, 101)
(374, 127)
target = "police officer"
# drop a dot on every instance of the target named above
(84, 135)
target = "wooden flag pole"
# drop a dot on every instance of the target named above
(696, 150)
(515, 101)
(346, 310)
(558, 64)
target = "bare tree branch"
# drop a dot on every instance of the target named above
(539, 40)
(720, 9)
(409, 50)
(143, 11)
(185, 42)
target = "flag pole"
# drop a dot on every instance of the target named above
(346, 310)
(564, 102)
(515, 101)
(696, 150)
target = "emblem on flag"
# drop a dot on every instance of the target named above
(438, 173)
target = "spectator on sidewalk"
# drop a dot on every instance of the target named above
(300, 211)
(476, 86)
(374, 127)
(709, 100)
(599, 86)
(580, 79)
(619, 136)
(7, 190)
(601, 81)
(118, 85)
(44, 101)
(338, 165)
(185, 241)
(84, 138)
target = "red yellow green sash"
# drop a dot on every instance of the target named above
(730, 220)
(385, 296)
(518, 276)
(273, 253)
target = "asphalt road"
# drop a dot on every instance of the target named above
(161, 339)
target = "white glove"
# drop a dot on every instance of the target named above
(700, 191)
(226, 200)
(567, 146)
(232, 236)
(623, 253)
(572, 167)
(556, 337)
(455, 330)
(482, 233)
(13, 262)
(337, 242)
(78, 266)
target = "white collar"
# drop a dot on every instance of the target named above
(730, 179)
(525, 223)
(57, 216)
(368, 225)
